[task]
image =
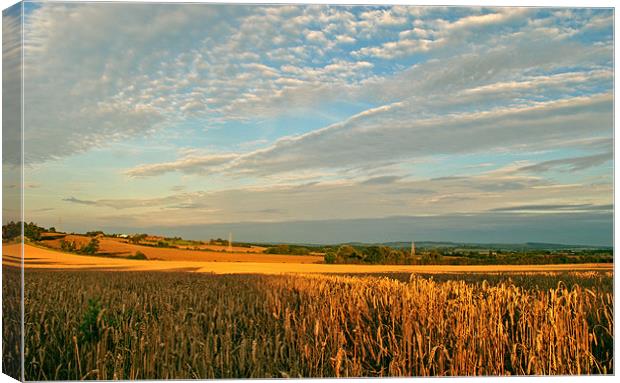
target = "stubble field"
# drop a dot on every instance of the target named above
(121, 248)
(236, 263)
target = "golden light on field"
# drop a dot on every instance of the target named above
(149, 325)
(240, 263)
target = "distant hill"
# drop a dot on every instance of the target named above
(493, 246)
(461, 245)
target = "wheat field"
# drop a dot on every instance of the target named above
(139, 325)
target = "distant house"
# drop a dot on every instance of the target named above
(123, 235)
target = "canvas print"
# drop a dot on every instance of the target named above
(204, 191)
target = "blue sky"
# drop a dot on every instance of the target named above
(165, 117)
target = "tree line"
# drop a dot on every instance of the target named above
(12, 230)
(368, 255)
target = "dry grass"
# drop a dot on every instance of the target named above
(187, 325)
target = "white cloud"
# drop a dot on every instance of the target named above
(191, 164)
(381, 18)
(500, 16)
(315, 36)
(392, 132)
(11, 88)
(439, 34)
(88, 71)
(398, 48)
(217, 64)
(344, 39)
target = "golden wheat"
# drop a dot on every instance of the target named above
(141, 325)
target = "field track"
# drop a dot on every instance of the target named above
(39, 258)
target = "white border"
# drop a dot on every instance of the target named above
(541, 3)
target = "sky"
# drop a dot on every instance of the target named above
(318, 124)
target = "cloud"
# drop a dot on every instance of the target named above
(521, 81)
(395, 49)
(193, 61)
(572, 164)
(441, 34)
(190, 205)
(190, 164)
(11, 86)
(86, 72)
(315, 36)
(80, 201)
(215, 64)
(175, 201)
(352, 198)
(382, 180)
(391, 132)
(571, 208)
(43, 210)
(381, 18)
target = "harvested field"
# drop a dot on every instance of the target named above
(235, 249)
(116, 247)
(40, 258)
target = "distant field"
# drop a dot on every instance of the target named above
(119, 247)
(235, 263)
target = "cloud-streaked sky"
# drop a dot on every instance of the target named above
(163, 116)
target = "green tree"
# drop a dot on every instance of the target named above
(68, 246)
(136, 239)
(32, 231)
(11, 230)
(139, 255)
(348, 253)
(91, 248)
(432, 257)
(330, 257)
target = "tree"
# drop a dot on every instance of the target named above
(139, 255)
(11, 230)
(348, 253)
(91, 248)
(282, 249)
(432, 257)
(136, 239)
(68, 246)
(163, 244)
(373, 254)
(32, 231)
(330, 257)
(287, 249)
